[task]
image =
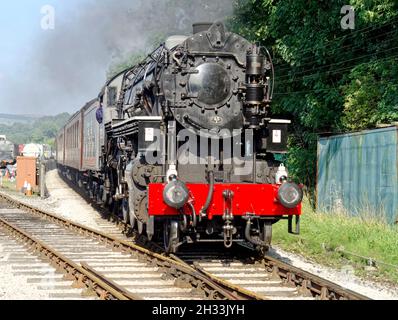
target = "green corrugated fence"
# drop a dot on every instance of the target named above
(358, 173)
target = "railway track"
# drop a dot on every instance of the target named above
(106, 266)
(267, 277)
(33, 278)
(196, 274)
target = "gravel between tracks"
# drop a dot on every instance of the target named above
(23, 276)
(68, 204)
(17, 287)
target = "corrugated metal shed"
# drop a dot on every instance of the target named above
(358, 173)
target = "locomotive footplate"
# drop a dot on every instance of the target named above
(234, 212)
(259, 199)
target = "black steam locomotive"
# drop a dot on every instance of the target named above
(183, 145)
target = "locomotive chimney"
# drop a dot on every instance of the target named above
(201, 27)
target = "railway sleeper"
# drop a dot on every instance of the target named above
(304, 289)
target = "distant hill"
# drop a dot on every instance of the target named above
(16, 118)
(22, 129)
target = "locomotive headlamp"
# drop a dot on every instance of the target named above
(176, 194)
(290, 195)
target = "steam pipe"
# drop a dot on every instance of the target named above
(203, 211)
(193, 214)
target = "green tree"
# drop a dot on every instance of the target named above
(327, 79)
(43, 130)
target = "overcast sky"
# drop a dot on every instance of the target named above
(46, 72)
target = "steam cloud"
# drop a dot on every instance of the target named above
(69, 64)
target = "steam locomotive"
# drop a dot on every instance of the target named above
(8, 152)
(183, 147)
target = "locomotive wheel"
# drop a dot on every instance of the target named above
(90, 191)
(266, 234)
(170, 236)
(140, 207)
(133, 219)
(140, 226)
(100, 190)
(104, 196)
(125, 210)
(109, 200)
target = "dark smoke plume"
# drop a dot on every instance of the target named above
(69, 64)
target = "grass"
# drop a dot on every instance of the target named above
(8, 184)
(12, 186)
(336, 239)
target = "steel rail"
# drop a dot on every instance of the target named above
(171, 267)
(308, 282)
(230, 286)
(82, 278)
(226, 285)
(213, 286)
(237, 292)
(111, 283)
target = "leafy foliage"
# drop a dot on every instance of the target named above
(327, 79)
(367, 104)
